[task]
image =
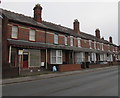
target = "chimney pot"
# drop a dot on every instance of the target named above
(102, 38)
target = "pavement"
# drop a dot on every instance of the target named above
(51, 75)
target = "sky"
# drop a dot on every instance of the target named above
(91, 15)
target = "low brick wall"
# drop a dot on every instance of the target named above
(69, 67)
(98, 65)
(104, 65)
(10, 72)
(31, 71)
(116, 63)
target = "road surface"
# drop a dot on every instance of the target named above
(96, 83)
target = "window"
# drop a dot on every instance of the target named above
(105, 57)
(32, 35)
(80, 57)
(65, 40)
(55, 38)
(101, 57)
(79, 43)
(14, 32)
(93, 58)
(71, 40)
(34, 58)
(56, 57)
(90, 44)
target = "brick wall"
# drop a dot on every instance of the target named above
(9, 31)
(82, 43)
(49, 38)
(68, 40)
(48, 57)
(103, 65)
(10, 72)
(40, 36)
(61, 40)
(69, 67)
(43, 55)
(77, 42)
(92, 46)
(85, 43)
(23, 34)
(98, 65)
(74, 42)
(63, 56)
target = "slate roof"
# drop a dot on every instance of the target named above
(49, 26)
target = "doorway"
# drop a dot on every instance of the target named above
(25, 59)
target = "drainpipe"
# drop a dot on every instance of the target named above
(46, 60)
(10, 54)
(73, 57)
(46, 52)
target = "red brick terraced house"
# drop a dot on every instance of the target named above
(31, 43)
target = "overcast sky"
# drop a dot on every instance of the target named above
(91, 15)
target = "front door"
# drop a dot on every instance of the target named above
(25, 60)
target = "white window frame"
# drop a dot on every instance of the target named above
(66, 40)
(102, 46)
(90, 44)
(14, 32)
(105, 57)
(56, 56)
(101, 57)
(108, 47)
(94, 44)
(98, 45)
(71, 40)
(79, 42)
(80, 57)
(55, 38)
(113, 49)
(32, 35)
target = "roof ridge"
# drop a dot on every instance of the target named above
(58, 25)
(16, 13)
(52, 26)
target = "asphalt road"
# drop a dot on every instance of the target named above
(96, 83)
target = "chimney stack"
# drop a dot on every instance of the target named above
(102, 38)
(38, 13)
(76, 26)
(110, 39)
(97, 31)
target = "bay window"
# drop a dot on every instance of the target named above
(80, 57)
(56, 57)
